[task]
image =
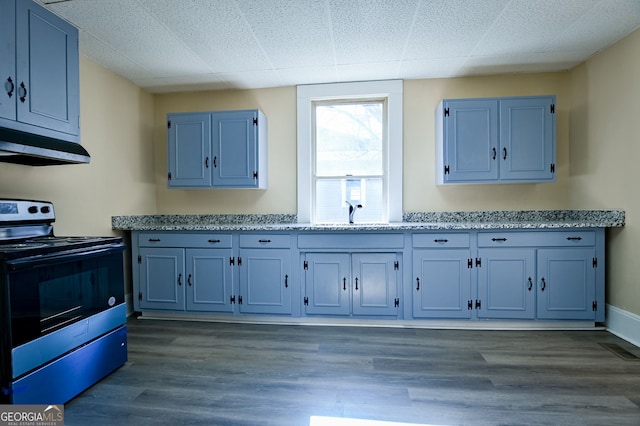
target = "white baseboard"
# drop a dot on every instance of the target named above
(354, 322)
(623, 324)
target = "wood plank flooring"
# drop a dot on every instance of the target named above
(199, 373)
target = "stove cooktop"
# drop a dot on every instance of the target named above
(50, 244)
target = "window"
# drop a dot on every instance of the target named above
(350, 152)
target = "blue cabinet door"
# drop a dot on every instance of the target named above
(496, 140)
(162, 278)
(7, 60)
(189, 145)
(374, 283)
(470, 140)
(209, 282)
(506, 283)
(47, 69)
(328, 283)
(441, 283)
(527, 132)
(265, 281)
(566, 284)
(235, 154)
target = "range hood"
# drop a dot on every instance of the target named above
(34, 150)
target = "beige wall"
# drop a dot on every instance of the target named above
(605, 156)
(116, 125)
(420, 100)
(279, 105)
(420, 193)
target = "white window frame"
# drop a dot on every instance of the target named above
(391, 90)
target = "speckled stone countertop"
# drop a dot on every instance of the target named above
(529, 219)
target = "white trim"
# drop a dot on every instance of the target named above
(382, 323)
(623, 324)
(390, 89)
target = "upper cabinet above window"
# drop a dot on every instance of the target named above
(496, 140)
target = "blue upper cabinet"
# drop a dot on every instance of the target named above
(40, 71)
(496, 140)
(237, 149)
(7, 59)
(223, 149)
(189, 141)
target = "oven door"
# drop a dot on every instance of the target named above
(50, 292)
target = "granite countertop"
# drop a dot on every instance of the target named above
(529, 219)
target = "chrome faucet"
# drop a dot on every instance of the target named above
(352, 210)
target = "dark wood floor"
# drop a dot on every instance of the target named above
(196, 373)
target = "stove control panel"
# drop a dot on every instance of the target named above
(25, 211)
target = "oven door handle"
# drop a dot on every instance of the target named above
(64, 256)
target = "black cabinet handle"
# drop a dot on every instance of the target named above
(544, 284)
(206, 162)
(574, 238)
(495, 154)
(498, 239)
(417, 283)
(344, 284)
(189, 280)
(214, 241)
(356, 283)
(443, 240)
(530, 284)
(286, 281)
(504, 152)
(264, 241)
(11, 87)
(24, 92)
(154, 240)
(179, 279)
(215, 162)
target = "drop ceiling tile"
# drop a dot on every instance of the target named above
(134, 33)
(371, 31)
(594, 31)
(431, 68)
(258, 43)
(292, 33)
(252, 79)
(214, 31)
(111, 59)
(183, 83)
(312, 75)
(450, 29)
(526, 26)
(370, 71)
(523, 63)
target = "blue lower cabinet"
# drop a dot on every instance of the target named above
(265, 281)
(567, 284)
(352, 284)
(506, 283)
(178, 279)
(162, 278)
(506, 274)
(328, 283)
(209, 280)
(441, 283)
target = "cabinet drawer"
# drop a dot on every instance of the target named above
(265, 241)
(159, 239)
(351, 241)
(536, 239)
(441, 240)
